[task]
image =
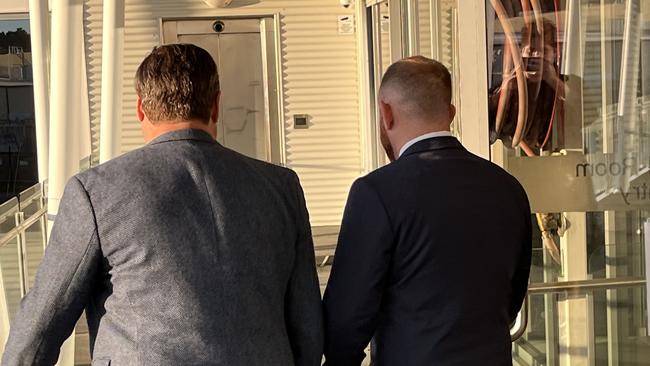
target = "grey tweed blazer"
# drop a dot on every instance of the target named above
(182, 253)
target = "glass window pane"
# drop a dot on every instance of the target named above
(15, 50)
(569, 92)
(18, 166)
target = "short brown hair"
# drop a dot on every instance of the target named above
(177, 82)
(422, 85)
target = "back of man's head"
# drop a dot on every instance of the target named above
(177, 82)
(419, 87)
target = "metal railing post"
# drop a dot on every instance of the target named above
(111, 101)
(43, 220)
(21, 246)
(39, 16)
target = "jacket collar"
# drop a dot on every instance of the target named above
(184, 134)
(434, 143)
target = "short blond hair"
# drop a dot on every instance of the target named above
(422, 85)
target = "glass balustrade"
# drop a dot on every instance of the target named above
(23, 236)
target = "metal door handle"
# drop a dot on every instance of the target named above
(521, 323)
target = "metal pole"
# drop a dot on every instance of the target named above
(472, 81)
(65, 96)
(22, 254)
(40, 37)
(65, 113)
(111, 105)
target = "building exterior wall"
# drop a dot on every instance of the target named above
(320, 78)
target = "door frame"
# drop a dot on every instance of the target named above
(272, 70)
(368, 42)
(472, 77)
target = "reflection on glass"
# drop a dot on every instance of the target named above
(15, 51)
(9, 259)
(22, 251)
(569, 83)
(18, 167)
(526, 94)
(425, 29)
(384, 35)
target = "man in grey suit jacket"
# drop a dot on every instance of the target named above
(182, 252)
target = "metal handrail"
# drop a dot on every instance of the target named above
(523, 323)
(585, 285)
(571, 287)
(26, 197)
(13, 233)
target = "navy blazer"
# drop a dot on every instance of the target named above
(433, 261)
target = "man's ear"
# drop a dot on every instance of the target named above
(214, 113)
(139, 111)
(452, 112)
(387, 116)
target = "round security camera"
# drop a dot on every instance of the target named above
(218, 26)
(345, 3)
(218, 3)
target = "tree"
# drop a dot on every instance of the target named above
(17, 38)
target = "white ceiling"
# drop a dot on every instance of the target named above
(14, 6)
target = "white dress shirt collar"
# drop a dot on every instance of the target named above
(424, 137)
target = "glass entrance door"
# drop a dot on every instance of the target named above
(432, 30)
(569, 92)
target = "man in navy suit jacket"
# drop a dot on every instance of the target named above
(434, 251)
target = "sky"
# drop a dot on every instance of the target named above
(11, 25)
